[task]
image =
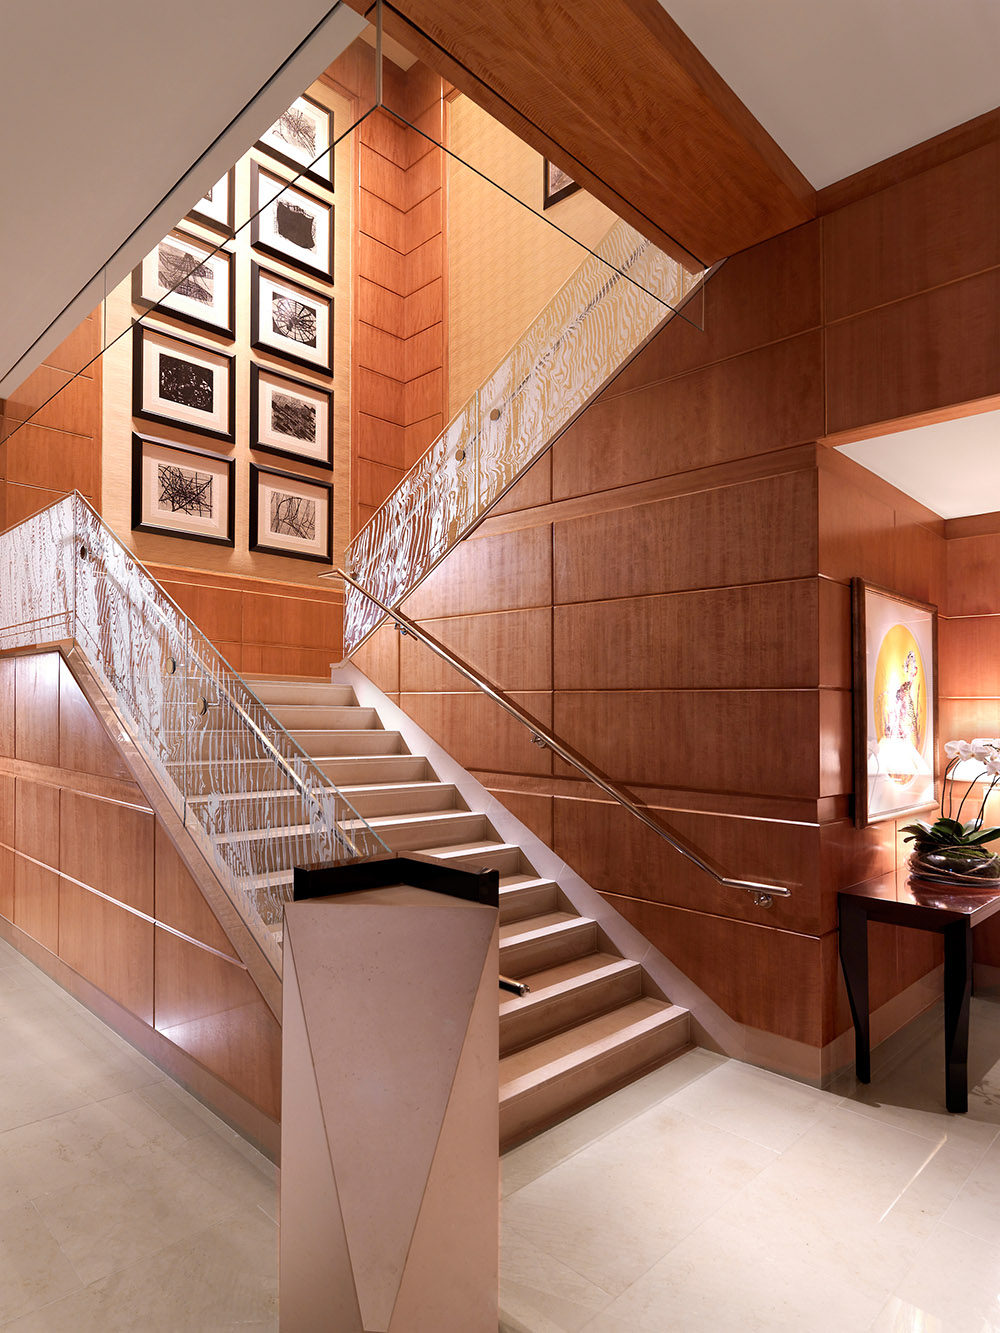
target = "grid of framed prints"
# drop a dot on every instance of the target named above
(290, 321)
(190, 280)
(217, 208)
(179, 383)
(180, 491)
(290, 225)
(290, 417)
(303, 138)
(290, 515)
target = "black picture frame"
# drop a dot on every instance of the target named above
(226, 228)
(260, 221)
(324, 491)
(221, 466)
(876, 615)
(144, 406)
(147, 294)
(273, 345)
(299, 165)
(556, 184)
(258, 440)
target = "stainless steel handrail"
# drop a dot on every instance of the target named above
(763, 895)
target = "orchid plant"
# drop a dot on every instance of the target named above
(962, 841)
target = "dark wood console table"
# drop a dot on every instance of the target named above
(896, 900)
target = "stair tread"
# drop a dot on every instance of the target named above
(576, 969)
(522, 881)
(580, 1045)
(429, 817)
(534, 927)
(468, 849)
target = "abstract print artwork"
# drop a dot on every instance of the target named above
(301, 138)
(188, 279)
(290, 225)
(216, 208)
(180, 383)
(180, 491)
(290, 417)
(290, 515)
(895, 703)
(289, 320)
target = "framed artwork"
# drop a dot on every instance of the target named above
(895, 704)
(302, 138)
(290, 224)
(217, 208)
(290, 417)
(178, 383)
(556, 184)
(290, 515)
(290, 321)
(179, 491)
(190, 280)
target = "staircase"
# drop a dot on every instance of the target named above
(592, 1021)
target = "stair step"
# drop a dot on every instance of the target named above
(522, 896)
(545, 941)
(335, 743)
(502, 856)
(295, 692)
(564, 996)
(406, 833)
(355, 769)
(553, 1078)
(402, 798)
(321, 717)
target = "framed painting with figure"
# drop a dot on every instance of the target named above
(217, 208)
(180, 383)
(290, 321)
(895, 703)
(290, 515)
(302, 138)
(556, 184)
(180, 491)
(290, 417)
(190, 280)
(290, 225)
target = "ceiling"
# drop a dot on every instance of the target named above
(952, 467)
(840, 84)
(106, 112)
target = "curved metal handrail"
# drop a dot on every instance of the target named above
(762, 894)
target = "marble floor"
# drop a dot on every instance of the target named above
(713, 1197)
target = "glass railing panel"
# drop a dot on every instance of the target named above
(37, 573)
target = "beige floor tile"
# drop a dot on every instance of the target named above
(33, 1270)
(613, 1211)
(976, 1209)
(758, 1105)
(184, 1113)
(538, 1292)
(521, 1166)
(953, 1287)
(33, 1092)
(249, 1182)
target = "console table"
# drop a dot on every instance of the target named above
(898, 901)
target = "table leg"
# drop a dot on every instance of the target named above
(957, 993)
(854, 960)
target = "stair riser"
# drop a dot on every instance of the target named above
(517, 960)
(531, 1111)
(350, 772)
(411, 837)
(528, 1021)
(327, 743)
(334, 695)
(295, 717)
(519, 904)
(434, 798)
(507, 860)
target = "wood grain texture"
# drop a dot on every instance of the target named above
(381, 441)
(937, 349)
(378, 658)
(674, 545)
(973, 575)
(84, 745)
(376, 481)
(532, 488)
(78, 350)
(763, 400)
(872, 254)
(36, 729)
(36, 890)
(53, 459)
(57, 400)
(8, 670)
(476, 732)
(531, 809)
(108, 946)
(510, 648)
(109, 847)
(834, 611)
(6, 845)
(497, 573)
(178, 900)
(969, 655)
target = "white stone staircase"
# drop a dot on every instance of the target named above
(592, 1020)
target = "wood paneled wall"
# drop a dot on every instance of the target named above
(399, 332)
(669, 586)
(60, 449)
(79, 847)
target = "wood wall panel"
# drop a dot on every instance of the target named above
(36, 833)
(495, 573)
(74, 405)
(509, 647)
(479, 734)
(8, 669)
(36, 903)
(678, 544)
(6, 845)
(973, 575)
(969, 654)
(378, 658)
(935, 350)
(763, 400)
(37, 708)
(108, 946)
(120, 862)
(84, 745)
(179, 901)
(54, 460)
(722, 638)
(532, 809)
(532, 488)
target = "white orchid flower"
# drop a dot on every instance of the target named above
(992, 765)
(958, 750)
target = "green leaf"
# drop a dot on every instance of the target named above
(984, 835)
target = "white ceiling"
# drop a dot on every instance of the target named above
(952, 468)
(840, 84)
(106, 110)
